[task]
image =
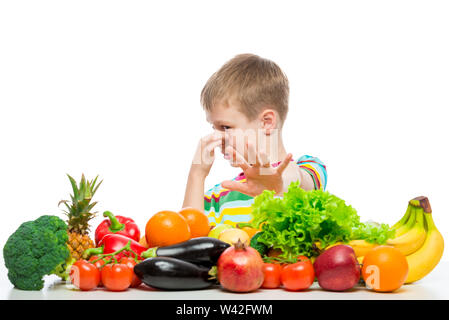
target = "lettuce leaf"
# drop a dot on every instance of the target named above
(302, 221)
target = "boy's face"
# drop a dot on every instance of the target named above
(235, 125)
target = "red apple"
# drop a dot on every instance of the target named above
(337, 268)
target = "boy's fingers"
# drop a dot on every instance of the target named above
(284, 163)
(245, 150)
(236, 158)
(252, 155)
(235, 186)
(264, 160)
(211, 146)
(208, 152)
(215, 136)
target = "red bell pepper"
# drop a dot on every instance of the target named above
(118, 246)
(117, 225)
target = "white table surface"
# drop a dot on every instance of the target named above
(434, 286)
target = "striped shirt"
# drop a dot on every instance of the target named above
(231, 207)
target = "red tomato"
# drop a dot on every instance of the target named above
(116, 277)
(298, 276)
(99, 264)
(84, 275)
(303, 258)
(131, 263)
(272, 275)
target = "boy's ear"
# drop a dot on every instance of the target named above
(268, 119)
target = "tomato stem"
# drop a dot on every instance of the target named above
(92, 252)
(126, 248)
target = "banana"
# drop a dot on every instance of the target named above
(400, 225)
(414, 238)
(360, 260)
(425, 259)
(403, 219)
(333, 245)
(361, 247)
(404, 228)
(410, 233)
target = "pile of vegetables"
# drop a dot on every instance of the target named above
(303, 222)
(183, 266)
(180, 251)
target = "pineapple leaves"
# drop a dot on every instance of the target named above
(79, 208)
(74, 186)
(94, 188)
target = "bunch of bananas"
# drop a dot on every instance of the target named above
(416, 236)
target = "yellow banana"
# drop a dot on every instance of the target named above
(361, 247)
(360, 260)
(425, 259)
(403, 229)
(400, 225)
(414, 238)
(333, 245)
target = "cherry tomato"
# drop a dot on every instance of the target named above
(303, 258)
(298, 276)
(99, 264)
(116, 277)
(84, 275)
(272, 275)
(131, 263)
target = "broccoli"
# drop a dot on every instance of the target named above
(37, 248)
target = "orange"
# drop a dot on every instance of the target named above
(197, 220)
(166, 228)
(384, 269)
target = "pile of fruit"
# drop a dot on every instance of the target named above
(290, 243)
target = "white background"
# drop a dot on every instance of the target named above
(112, 88)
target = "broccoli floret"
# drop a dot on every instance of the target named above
(37, 248)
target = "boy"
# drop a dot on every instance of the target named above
(246, 101)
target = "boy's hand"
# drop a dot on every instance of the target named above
(205, 153)
(260, 176)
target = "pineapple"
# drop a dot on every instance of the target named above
(78, 214)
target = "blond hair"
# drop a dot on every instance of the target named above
(253, 82)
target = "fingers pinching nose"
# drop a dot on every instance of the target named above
(264, 160)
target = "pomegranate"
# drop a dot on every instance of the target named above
(240, 268)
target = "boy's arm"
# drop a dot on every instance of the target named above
(292, 173)
(201, 164)
(314, 170)
(194, 195)
(312, 173)
(306, 179)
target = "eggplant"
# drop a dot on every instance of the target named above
(173, 274)
(202, 250)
